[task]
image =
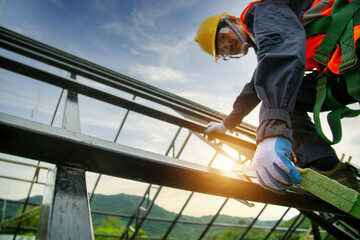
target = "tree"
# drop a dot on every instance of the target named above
(30, 219)
(113, 226)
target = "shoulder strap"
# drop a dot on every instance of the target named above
(338, 28)
(321, 25)
(339, 21)
(349, 59)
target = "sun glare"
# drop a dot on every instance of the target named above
(227, 161)
(223, 163)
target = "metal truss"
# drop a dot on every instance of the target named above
(66, 197)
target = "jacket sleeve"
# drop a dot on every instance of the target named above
(243, 105)
(281, 43)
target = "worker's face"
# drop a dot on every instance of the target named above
(228, 43)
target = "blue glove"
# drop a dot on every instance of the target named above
(273, 167)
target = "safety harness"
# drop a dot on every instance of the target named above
(338, 28)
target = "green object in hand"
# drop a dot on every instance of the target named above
(342, 197)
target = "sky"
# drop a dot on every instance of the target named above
(152, 41)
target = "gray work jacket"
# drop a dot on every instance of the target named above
(281, 56)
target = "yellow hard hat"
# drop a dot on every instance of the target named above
(206, 33)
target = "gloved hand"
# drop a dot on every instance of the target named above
(215, 127)
(273, 167)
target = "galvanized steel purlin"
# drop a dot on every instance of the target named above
(56, 80)
(334, 230)
(29, 47)
(69, 200)
(47, 54)
(25, 138)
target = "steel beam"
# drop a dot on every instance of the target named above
(52, 56)
(334, 230)
(80, 153)
(64, 213)
(34, 140)
(69, 84)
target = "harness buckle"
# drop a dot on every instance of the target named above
(321, 58)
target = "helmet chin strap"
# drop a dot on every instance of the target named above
(245, 44)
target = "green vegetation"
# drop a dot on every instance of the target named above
(29, 219)
(113, 226)
(126, 205)
(255, 234)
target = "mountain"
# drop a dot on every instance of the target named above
(126, 204)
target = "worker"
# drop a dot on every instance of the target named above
(273, 28)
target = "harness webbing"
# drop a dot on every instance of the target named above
(338, 29)
(324, 96)
(340, 21)
(318, 27)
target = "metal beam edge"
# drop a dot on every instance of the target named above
(35, 140)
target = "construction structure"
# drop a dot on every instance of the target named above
(65, 208)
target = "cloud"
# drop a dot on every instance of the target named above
(143, 19)
(114, 27)
(104, 5)
(157, 73)
(153, 42)
(31, 30)
(151, 13)
(26, 101)
(56, 2)
(147, 30)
